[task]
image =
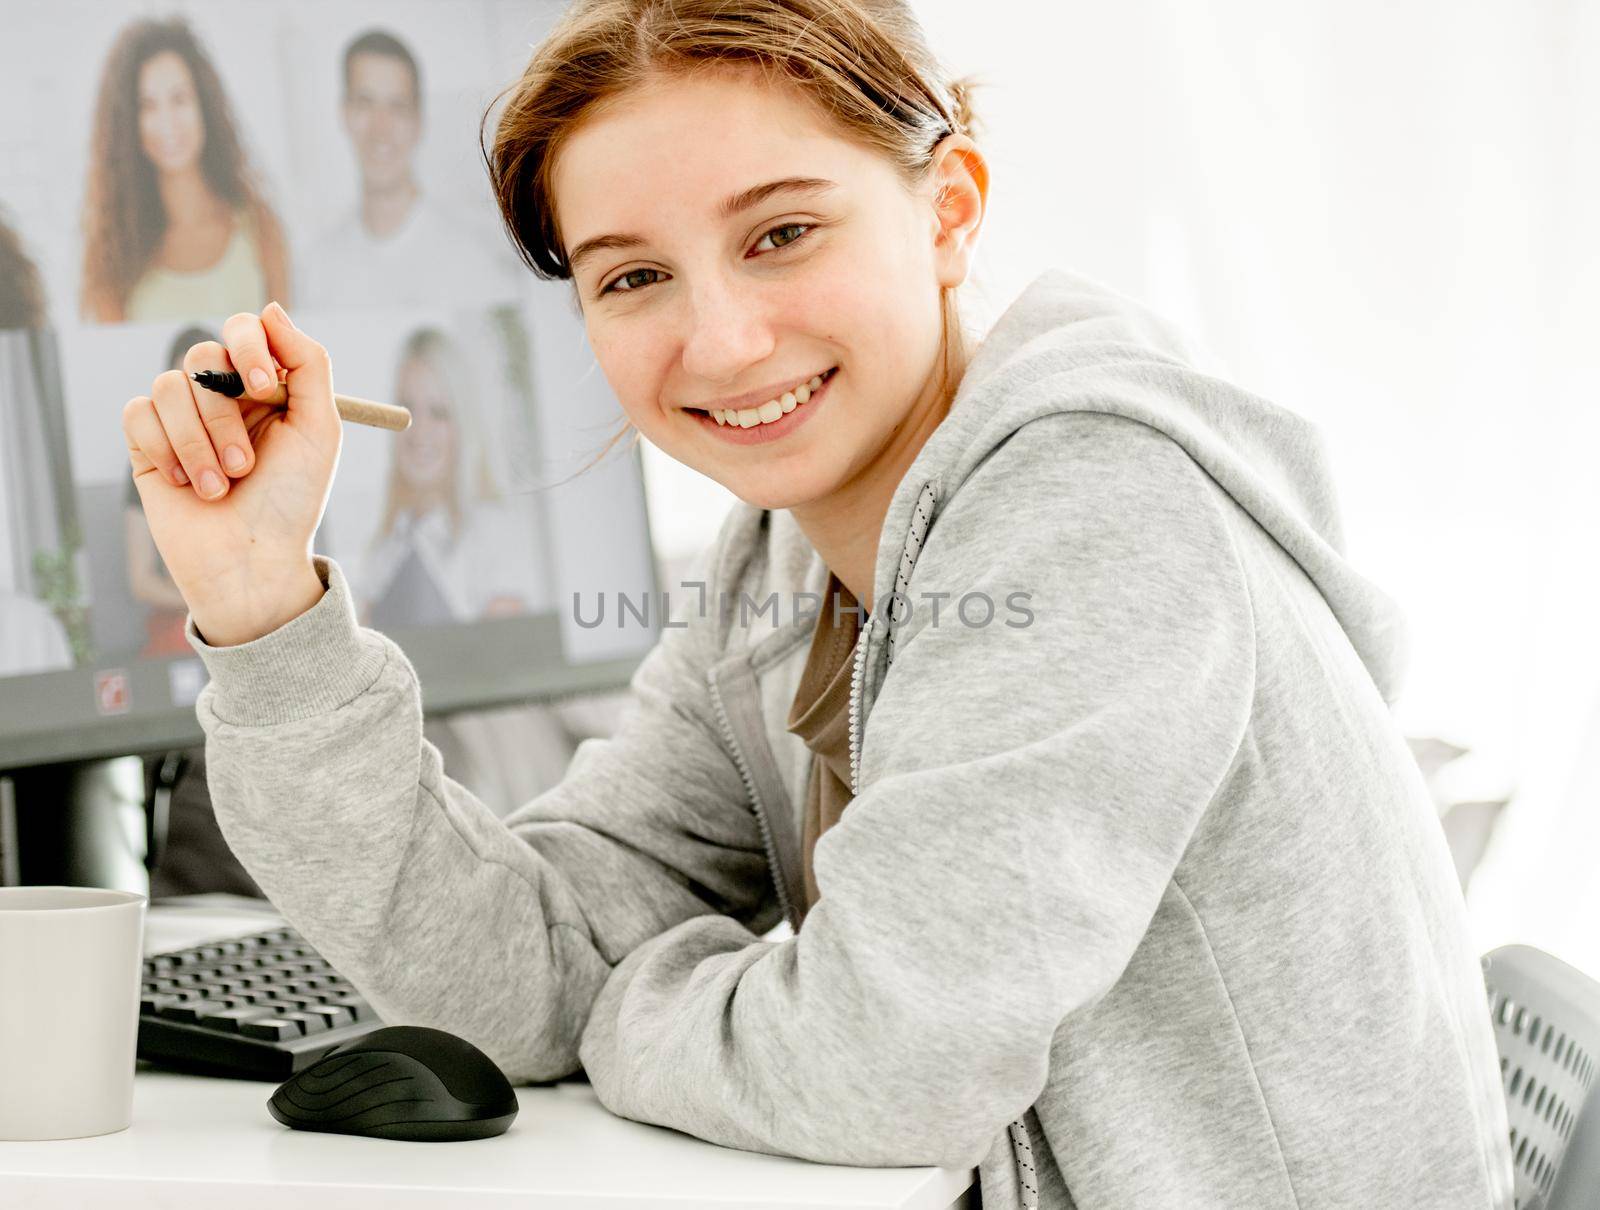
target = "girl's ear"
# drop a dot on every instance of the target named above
(960, 176)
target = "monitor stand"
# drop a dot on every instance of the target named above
(77, 823)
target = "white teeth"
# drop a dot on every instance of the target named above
(772, 409)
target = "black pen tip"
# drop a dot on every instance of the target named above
(223, 382)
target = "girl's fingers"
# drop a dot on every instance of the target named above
(247, 349)
(310, 373)
(219, 413)
(148, 447)
(180, 417)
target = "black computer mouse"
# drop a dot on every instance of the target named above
(400, 1082)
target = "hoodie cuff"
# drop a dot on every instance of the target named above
(311, 665)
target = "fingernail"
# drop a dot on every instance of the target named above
(258, 382)
(210, 484)
(284, 314)
(180, 475)
(233, 457)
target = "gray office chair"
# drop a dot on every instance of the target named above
(1546, 1019)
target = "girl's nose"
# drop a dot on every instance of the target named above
(727, 333)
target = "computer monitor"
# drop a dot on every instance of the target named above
(324, 154)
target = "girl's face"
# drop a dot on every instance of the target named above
(426, 450)
(719, 300)
(171, 130)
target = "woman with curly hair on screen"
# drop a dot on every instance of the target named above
(174, 223)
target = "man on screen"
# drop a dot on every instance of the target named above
(396, 247)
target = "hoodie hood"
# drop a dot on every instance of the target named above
(1068, 344)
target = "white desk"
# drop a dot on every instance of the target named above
(202, 1141)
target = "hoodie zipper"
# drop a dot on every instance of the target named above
(756, 804)
(921, 519)
(857, 688)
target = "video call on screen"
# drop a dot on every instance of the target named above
(162, 169)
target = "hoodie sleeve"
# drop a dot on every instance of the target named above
(1028, 792)
(440, 912)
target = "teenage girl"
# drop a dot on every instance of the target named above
(1104, 866)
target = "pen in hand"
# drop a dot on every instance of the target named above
(358, 411)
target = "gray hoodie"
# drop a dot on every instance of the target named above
(1140, 901)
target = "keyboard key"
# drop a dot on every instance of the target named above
(336, 1015)
(182, 1013)
(155, 1003)
(310, 1023)
(273, 1029)
(359, 1008)
(229, 1019)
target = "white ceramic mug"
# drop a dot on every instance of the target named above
(70, 965)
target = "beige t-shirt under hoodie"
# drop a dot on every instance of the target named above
(820, 715)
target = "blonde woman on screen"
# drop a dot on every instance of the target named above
(174, 224)
(1068, 760)
(450, 545)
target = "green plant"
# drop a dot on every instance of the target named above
(56, 573)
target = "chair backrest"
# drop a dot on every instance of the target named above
(1546, 1018)
(1577, 1184)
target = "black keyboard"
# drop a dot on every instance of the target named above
(261, 1007)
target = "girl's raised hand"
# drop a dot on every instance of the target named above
(233, 489)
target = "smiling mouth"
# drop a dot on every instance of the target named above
(825, 377)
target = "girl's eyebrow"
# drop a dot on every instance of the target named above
(752, 196)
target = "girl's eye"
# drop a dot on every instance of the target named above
(805, 228)
(632, 273)
(786, 227)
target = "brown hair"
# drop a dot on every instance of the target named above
(124, 219)
(21, 295)
(865, 63)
